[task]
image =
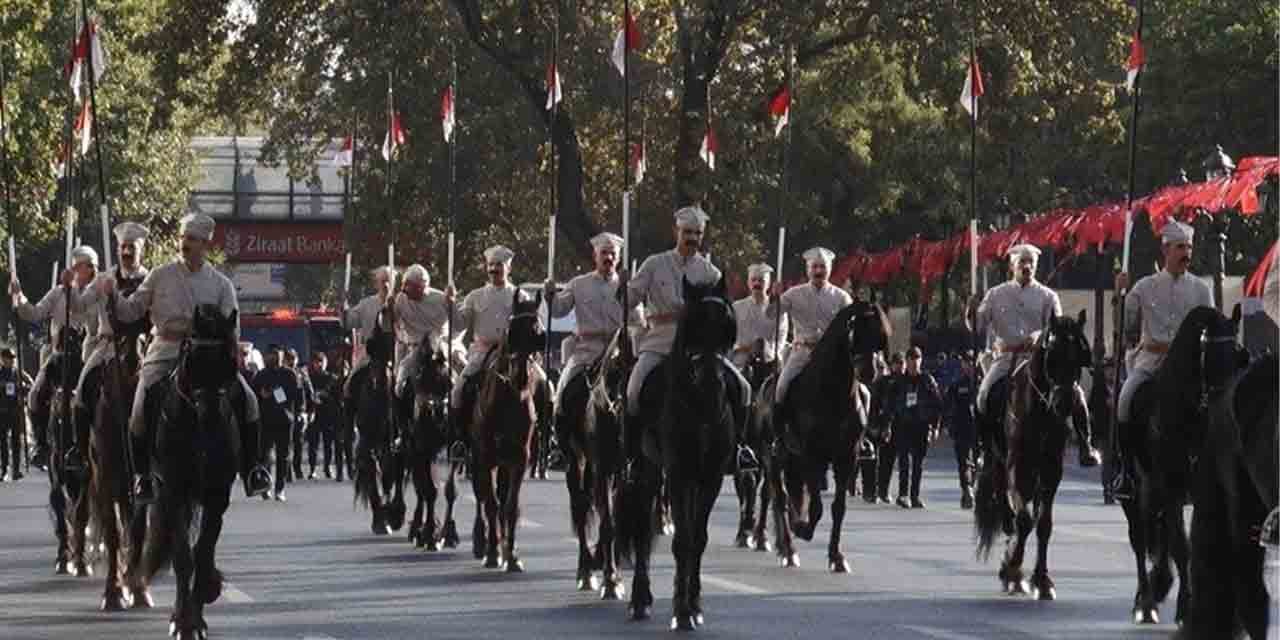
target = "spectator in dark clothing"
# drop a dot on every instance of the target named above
(300, 410)
(882, 402)
(279, 394)
(963, 429)
(326, 413)
(917, 410)
(13, 388)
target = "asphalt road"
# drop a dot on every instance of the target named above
(309, 569)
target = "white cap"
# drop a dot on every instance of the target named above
(381, 272)
(692, 217)
(819, 254)
(498, 253)
(1024, 251)
(607, 239)
(759, 269)
(197, 225)
(416, 273)
(129, 232)
(84, 254)
(1176, 232)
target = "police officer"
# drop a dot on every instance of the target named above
(278, 394)
(301, 407)
(963, 428)
(917, 408)
(12, 422)
(1161, 301)
(883, 399)
(326, 412)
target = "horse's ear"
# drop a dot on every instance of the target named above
(1235, 313)
(1082, 318)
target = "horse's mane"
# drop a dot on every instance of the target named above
(831, 346)
(1183, 360)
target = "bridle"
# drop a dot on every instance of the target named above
(1208, 390)
(1056, 387)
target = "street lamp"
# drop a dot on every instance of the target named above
(1218, 164)
(1181, 178)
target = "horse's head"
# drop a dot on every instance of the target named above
(1061, 353)
(432, 375)
(381, 343)
(866, 333)
(1219, 351)
(709, 324)
(72, 343)
(525, 337)
(209, 361)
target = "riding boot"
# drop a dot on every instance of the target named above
(76, 460)
(1089, 455)
(253, 469)
(147, 483)
(1123, 486)
(459, 451)
(40, 433)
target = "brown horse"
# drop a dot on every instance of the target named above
(501, 430)
(121, 526)
(1022, 466)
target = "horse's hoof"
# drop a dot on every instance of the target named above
(515, 565)
(114, 600)
(451, 539)
(638, 613)
(61, 568)
(141, 599)
(762, 544)
(838, 565)
(789, 561)
(491, 562)
(612, 592)
(669, 529)
(587, 584)
(743, 541)
(1046, 593)
(1018, 588)
(699, 619)
(1043, 588)
(1146, 616)
(683, 623)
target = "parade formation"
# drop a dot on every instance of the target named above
(148, 404)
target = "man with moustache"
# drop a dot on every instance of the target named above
(811, 307)
(1017, 312)
(53, 306)
(1157, 305)
(361, 319)
(593, 297)
(130, 241)
(171, 293)
(485, 316)
(754, 323)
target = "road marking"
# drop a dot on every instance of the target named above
(234, 594)
(733, 585)
(317, 636)
(940, 634)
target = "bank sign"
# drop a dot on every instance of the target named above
(299, 243)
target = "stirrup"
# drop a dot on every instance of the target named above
(458, 452)
(257, 482)
(146, 488)
(747, 459)
(1122, 486)
(73, 462)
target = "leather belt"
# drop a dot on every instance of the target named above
(1155, 347)
(663, 318)
(1021, 348)
(593, 335)
(805, 343)
(170, 335)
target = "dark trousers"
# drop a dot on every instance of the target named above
(320, 435)
(964, 438)
(10, 440)
(884, 472)
(913, 446)
(276, 435)
(297, 436)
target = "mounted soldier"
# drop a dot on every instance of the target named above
(754, 324)
(593, 297)
(130, 242)
(171, 294)
(361, 319)
(421, 318)
(1016, 312)
(1156, 305)
(658, 285)
(53, 307)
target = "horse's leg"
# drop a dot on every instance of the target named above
(1011, 572)
(429, 535)
(1213, 555)
(511, 517)
(640, 511)
(1179, 549)
(760, 536)
(479, 532)
(780, 479)
(814, 493)
(58, 509)
(135, 580)
(844, 470)
(744, 487)
(606, 512)
(450, 538)
(707, 499)
(420, 471)
(208, 581)
(1041, 583)
(113, 595)
(180, 623)
(1144, 606)
(683, 512)
(575, 478)
(486, 479)
(79, 530)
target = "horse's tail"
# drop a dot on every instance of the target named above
(989, 510)
(157, 549)
(365, 481)
(634, 519)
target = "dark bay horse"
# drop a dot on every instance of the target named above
(1021, 471)
(379, 479)
(1234, 488)
(121, 524)
(827, 407)
(692, 442)
(198, 450)
(1166, 431)
(68, 478)
(752, 485)
(427, 436)
(502, 430)
(592, 429)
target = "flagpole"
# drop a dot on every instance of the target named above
(624, 337)
(553, 91)
(1118, 351)
(453, 197)
(783, 191)
(13, 275)
(973, 168)
(97, 132)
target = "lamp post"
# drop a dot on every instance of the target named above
(1218, 165)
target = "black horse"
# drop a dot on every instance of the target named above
(1166, 430)
(692, 441)
(1234, 488)
(502, 430)
(427, 436)
(752, 485)
(198, 449)
(1022, 469)
(827, 409)
(379, 479)
(68, 475)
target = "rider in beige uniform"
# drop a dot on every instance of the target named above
(1157, 304)
(754, 324)
(361, 319)
(422, 316)
(811, 307)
